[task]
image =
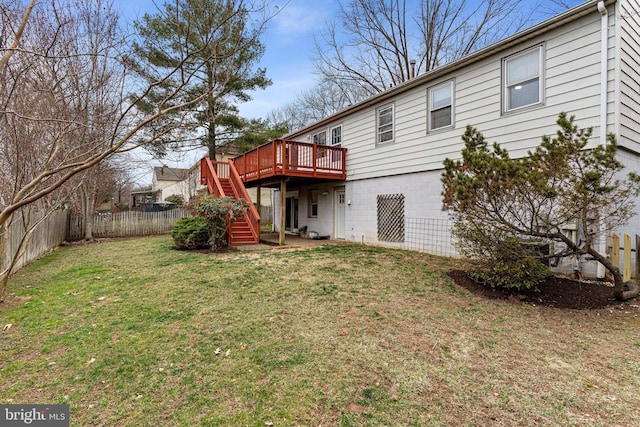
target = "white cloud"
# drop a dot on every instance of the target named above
(301, 17)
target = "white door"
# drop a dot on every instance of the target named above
(339, 216)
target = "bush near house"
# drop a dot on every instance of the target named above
(503, 207)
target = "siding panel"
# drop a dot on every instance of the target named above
(629, 131)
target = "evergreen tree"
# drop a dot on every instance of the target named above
(257, 132)
(218, 41)
(502, 207)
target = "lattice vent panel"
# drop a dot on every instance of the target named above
(391, 217)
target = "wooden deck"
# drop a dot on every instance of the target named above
(282, 158)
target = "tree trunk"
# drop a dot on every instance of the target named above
(87, 192)
(211, 112)
(4, 244)
(211, 140)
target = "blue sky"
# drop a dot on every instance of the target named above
(289, 45)
(288, 41)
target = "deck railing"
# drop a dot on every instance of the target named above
(251, 215)
(292, 158)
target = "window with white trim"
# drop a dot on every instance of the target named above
(441, 106)
(320, 138)
(336, 136)
(336, 141)
(522, 74)
(313, 203)
(384, 124)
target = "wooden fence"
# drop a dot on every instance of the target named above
(49, 231)
(627, 260)
(126, 224)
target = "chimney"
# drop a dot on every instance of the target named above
(413, 68)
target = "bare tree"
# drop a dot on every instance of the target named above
(65, 74)
(23, 19)
(96, 185)
(123, 185)
(378, 44)
(315, 104)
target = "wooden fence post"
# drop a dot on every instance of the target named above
(626, 270)
(615, 250)
(637, 257)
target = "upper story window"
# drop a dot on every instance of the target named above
(336, 136)
(320, 138)
(441, 106)
(522, 75)
(385, 124)
(336, 141)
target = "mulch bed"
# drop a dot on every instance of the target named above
(560, 292)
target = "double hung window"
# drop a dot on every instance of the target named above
(441, 106)
(385, 124)
(523, 79)
(313, 203)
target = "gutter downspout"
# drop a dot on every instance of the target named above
(604, 33)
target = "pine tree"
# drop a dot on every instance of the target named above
(503, 207)
(218, 41)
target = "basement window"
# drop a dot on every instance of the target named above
(313, 203)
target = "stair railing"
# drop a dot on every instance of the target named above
(209, 177)
(251, 215)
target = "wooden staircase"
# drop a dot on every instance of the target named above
(240, 228)
(222, 179)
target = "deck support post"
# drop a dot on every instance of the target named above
(283, 205)
(258, 198)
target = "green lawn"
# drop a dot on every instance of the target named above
(135, 333)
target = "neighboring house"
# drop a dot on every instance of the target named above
(170, 181)
(585, 61)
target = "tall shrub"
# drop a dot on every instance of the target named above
(498, 203)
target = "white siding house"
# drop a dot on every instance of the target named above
(168, 181)
(585, 62)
